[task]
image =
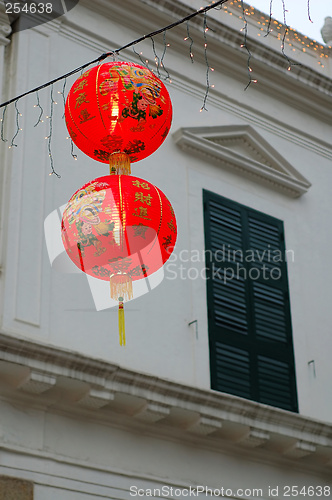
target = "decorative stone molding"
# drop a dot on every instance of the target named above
(300, 449)
(205, 425)
(37, 383)
(326, 31)
(153, 412)
(96, 399)
(242, 150)
(255, 438)
(71, 381)
(5, 28)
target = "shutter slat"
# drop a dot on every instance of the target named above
(230, 304)
(233, 370)
(268, 294)
(219, 220)
(262, 227)
(263, 308)
(269, 308)
(274, 382)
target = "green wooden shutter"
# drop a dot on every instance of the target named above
(250, 334)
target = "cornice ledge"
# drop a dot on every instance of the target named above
(106, 380)
(220, 33)
(52, 360)
(195, 140)
(290, 86)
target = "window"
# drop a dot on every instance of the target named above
(250, 334)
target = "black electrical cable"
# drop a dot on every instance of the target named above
(107, 54)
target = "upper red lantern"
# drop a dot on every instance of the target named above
(119, 226)
(118, 107)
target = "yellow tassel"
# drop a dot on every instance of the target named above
(121, 286)
(122, 333)
(121, 290)
(119, 164)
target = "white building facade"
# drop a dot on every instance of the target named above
(83, 418)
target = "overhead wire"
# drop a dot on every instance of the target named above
(202, 10)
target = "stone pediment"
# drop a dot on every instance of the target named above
(243, 150)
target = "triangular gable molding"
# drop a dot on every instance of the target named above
(243, 150)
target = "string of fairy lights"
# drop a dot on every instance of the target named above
(295, 41)
(266, 23)
(159, 62)
(245, 46)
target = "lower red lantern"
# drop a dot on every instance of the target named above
(119, 228)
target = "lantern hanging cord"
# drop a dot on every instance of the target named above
(202, 10)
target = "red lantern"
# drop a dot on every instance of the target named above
(119, 228)
(118, 107)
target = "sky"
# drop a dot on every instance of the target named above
(297, 15)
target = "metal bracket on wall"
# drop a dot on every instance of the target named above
(312, 362)
(195, 321)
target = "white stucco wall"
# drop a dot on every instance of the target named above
(45, 306)
(58, 308)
